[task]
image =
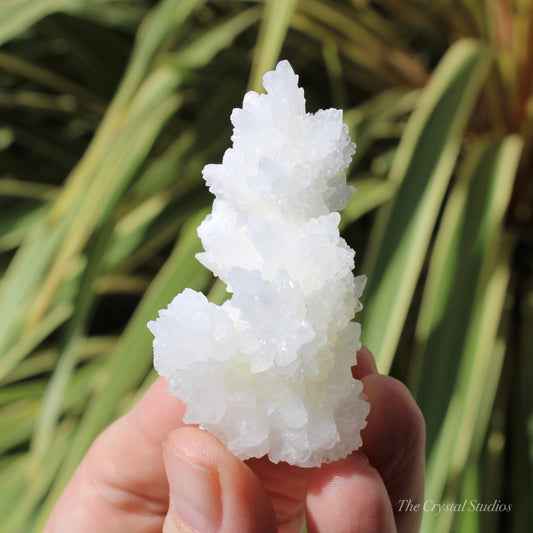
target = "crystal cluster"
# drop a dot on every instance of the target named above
(269, 371)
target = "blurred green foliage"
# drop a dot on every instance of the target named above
(110, 109)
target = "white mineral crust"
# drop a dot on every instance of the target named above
(268, 372)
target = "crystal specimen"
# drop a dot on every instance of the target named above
(269, 371)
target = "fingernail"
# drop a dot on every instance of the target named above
(194, 491)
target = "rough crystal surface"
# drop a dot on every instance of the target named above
(269, 371)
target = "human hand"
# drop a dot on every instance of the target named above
(123, 483)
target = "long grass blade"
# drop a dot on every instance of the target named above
(461, 311)
(422, 168)
(274, 26)
(473, 214)
(15, 17)
(130, 362)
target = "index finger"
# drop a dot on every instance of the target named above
(394, 442)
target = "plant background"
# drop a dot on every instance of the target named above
(110, 109)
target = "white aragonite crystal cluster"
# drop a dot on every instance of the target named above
(269, 371)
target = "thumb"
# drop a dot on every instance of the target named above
(211, 491)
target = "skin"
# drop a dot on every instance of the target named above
(124, 481)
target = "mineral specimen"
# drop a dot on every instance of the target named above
(269, 371)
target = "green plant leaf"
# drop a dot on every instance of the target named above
(471, 220)
(130, 361)
(422, 168)
(276, 19)
(18, 16)
(460, 315)
(370, 193)
(206, 46)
